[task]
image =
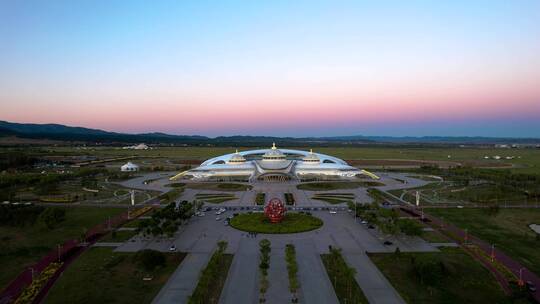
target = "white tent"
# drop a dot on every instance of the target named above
(129, 167)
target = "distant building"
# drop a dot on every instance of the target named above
(274, 165)
(137, 147)
(129, 167)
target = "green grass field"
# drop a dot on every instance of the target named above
(118, 236)
(292, 223)
(334, 198)
(23, 246)
(103, 276)
(215, 198)
(508, 230)
(456, 277)
(529, 161)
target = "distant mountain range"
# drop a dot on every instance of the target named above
(59, 132)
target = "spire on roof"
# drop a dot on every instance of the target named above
(274, 146)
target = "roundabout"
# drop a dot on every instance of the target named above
(291, 223)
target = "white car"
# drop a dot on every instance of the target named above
(172, 248)
(218, 218)
(364, 222)
(333, 212)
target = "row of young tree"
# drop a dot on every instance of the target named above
(387, 219)
(264, 265)
(166, 221)
(211, 278)
(292, 270)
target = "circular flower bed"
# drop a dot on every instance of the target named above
(291, 223)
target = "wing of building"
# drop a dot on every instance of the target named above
(273, 165)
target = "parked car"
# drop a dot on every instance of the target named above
(371, 227)
(388, 243)
(333, 212)
(364, 222)
(218, 218)
(172, 248)
(530, 286)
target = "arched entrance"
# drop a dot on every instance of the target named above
(274, 177)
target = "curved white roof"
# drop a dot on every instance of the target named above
(300, 153)
(274, 161)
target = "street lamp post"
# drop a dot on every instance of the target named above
(58, 247)
(520, 282)
(492, 252)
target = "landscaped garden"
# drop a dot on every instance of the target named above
(212, 277)
(26, 236)
(342, 278)
(508, 229)
(291, 223)
(215, 198)
(449, 276)
(260, 198)
(103, 276)
(334, 198)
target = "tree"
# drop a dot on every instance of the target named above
(150, 259)
(410, 227)
(51, 217)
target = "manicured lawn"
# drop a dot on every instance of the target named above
(215, 198)
(292, 223)
(220, 186)
(435, 237)
(508, 230)
(331, 200)
(20, 247)
(327, 186)
(334, 198)
(119, 236)
(345, 285)
(103, 276)
(449, 276)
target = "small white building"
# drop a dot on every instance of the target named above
(129, 167)
(137, 147)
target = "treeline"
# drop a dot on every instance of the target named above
(29, 215)
(36, 179)
(12, 159)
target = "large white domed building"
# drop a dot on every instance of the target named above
(273, 165)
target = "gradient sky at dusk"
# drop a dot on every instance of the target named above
(294, 68)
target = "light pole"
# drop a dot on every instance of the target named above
(59, 246)
(520, 282)
(492, 252)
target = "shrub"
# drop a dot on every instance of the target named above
(150, 259)
(51, 217)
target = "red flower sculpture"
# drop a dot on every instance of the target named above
(275, 210)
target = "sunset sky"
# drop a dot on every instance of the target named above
(284, 68)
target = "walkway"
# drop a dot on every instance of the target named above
(184, 280)
(242, 282)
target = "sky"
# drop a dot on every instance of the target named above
(281, 68)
